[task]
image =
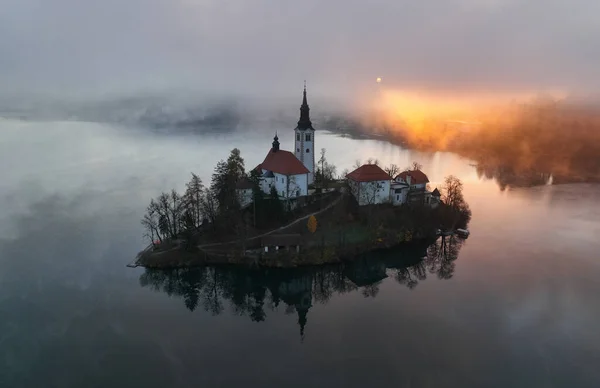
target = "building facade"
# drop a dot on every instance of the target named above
(284, 172)
(370, 185)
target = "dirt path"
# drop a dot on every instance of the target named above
(278, 229)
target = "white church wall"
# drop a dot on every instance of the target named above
(298, 185)
(266, 183)
(370, 193)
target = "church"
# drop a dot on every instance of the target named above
(291, 173)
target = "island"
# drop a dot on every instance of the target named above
(292, 210)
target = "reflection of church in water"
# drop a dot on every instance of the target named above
(252, 293)
(297, 292)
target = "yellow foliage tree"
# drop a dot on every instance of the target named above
(312, 224)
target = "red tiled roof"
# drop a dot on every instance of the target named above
(368, 173)
(417, 177)
(283, 162)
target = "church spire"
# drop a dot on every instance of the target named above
(304, 122)
(275, 143)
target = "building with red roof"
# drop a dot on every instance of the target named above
(369, 184)
(412, 188)
(416, 179)
(282, 170)
(283, 162)
(368, 173)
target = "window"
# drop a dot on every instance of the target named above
(297, 149)
(282, 193)
(298, 137)
(308, 151)
(307, 137)
(397, 197)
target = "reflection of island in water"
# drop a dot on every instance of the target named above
(511, 176)
(507, 176)
(251, 292)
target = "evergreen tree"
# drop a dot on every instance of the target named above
(192, 199)
(235, 165)
(258, 198)
(276, 210)
(224, 180)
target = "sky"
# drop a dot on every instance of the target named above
(264, 46)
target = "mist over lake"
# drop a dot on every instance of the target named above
(519, 308)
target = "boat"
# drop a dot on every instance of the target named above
(464, 233)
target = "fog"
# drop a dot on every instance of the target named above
(76, 49)
(205, 65)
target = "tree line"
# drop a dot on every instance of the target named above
(213, 209)
(218, 210)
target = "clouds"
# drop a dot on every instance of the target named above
(267, 46)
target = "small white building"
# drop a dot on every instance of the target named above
(415, 179)
(369, 184)
(399, 192)
(282, 170)
(415, 183)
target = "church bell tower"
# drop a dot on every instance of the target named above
(304, 145)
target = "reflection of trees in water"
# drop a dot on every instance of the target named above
(251, 292)
(440, 260)
(511, 176)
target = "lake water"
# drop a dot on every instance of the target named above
(516, 305)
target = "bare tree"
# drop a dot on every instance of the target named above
(392, 170)
(458, 209)
(210, 207)
(452, 192)
(326, 173)
(175, 210)
(374, 161)
(167, 223)
(329, 173)
(164, 217)
(292, 189)
(416, 166)
(368, 192)
(151, 223)
(344, 173)
(322, 161)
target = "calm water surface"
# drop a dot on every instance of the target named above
(515, 305)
